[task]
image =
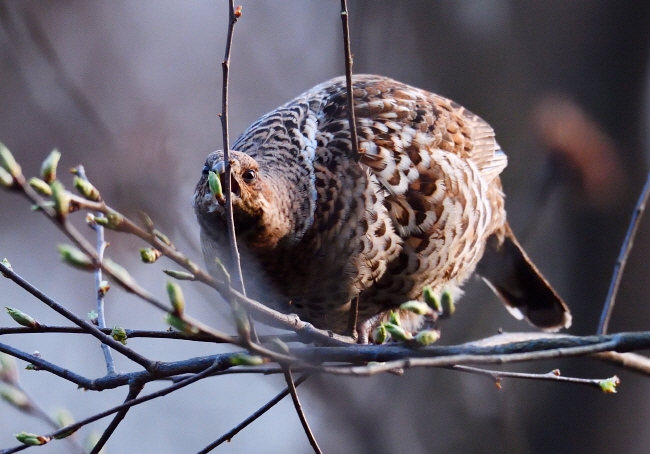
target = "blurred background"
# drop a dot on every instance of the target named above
(131, 89)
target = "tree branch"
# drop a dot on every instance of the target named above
(163, 392)
(622, 258)
(301, 414)
(100, 247)
(134, 390)
(245, 423)
(85, 325)
(554, 375)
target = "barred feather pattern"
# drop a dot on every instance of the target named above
(319, 226)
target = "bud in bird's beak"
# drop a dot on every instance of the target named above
(216, 180)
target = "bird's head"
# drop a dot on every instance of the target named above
(252, 198)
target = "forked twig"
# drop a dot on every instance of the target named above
(100, 293)
(622, 258)
(131, 403)
(134, 390)
(554, 375)
(301, 414)
(246, 422)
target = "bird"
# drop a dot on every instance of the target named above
(420, 204)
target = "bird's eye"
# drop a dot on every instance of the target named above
(249, 176)
(206, 169)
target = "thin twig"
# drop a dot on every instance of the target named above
(354, 140)
(554, 375)
(348, 79)
(622, 258)
(245, 423)
(85, 325)
(446, 361)
(142, 333)
(134, 390)
(131, 403)
(301, 414)
(101, 247)
(32, 408)
(225, 65)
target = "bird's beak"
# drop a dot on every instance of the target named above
(220, 169)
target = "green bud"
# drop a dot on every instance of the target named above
(243, 359)
(21, 318)
(146, 221)
(16, 397)
(394, 318)
(397, 332)
(92, 316)
(279, 346)
(119, 273)
(63, 417)
(223, 272)
(36, 207)
(115, 220)
(162, 237)
(215, 185)
(40, 186)
(427, 337)
(76, 258)
(241, 320)
(66, 434)
(431, 299)
(32, 367)
(149, 254)
(91, 440)
(447, 303)
(180, 275)
(176, 297)
(6, 180)
(180, 324)
(61, 198)
(7, 265)
(416, 307)
(31, 439)
(380, 335)
(48, 168)
(119, 334)
(86, 189)
(609, 385)
(8, 369)
(8, 163)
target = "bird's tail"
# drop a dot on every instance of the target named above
(506, 268)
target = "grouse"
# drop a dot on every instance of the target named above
(420, 204)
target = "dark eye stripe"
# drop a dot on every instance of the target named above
(206, 169)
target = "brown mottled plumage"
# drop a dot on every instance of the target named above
(421, 206)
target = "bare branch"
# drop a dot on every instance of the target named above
(131, 403)
(301, 414)
(225, 65)
(85, 325)
(622, 258)
(101, 247)
(134, 390)
(151, 334)
(554, 375)
(245, 423)
(348, 78)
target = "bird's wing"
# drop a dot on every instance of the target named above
(399, 126)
